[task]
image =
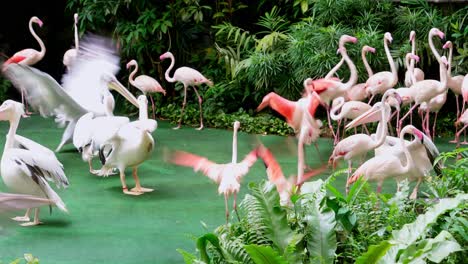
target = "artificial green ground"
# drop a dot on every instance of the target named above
(106, 226)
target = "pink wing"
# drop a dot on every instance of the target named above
(198, 163)
(9, 201)
(273, 169)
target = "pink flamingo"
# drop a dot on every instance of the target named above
(144, 83)
(71, 54)
(462, 119)
(332, 88)
(28, 56)
(348, 110)
(285, 187)
(300, 117)
(227, 176)
(188, 77)
(358, 92)
(425, 90)
(416, 74)
(382, 81)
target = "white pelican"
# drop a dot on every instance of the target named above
(85, 86)
(26, 166)
(130, 146)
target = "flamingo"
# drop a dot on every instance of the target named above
(358, 92)
(227, 176)
(454, 83)
(382, 81)
(332, 88)
(71, 54)
(85, 86)
(129, 146)
(357, 146)
(416, 74)
(13, 201)
(285, 187)
(28, 56)
(188, 77)
(144, 83)
(462, 119)
(300, 116)
(26, 166)
(382, 167)
(348, 110)
(425, 90)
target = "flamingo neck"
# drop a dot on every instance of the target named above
(41, 44)
(10, 137)
(431, 45)
(391, 62)
(131, 78)
(334, 109)
(352, 68)
(166, 74)
(449, 70)
(382, 127)
(334, 69)
(366, 64)
(413, 51)
(443, 77)
(410, 66)
(409, 158)
(76, 37)
(234, 146)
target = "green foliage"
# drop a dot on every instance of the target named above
(27, 258)
(264, 254)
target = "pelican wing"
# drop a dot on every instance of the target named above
(10, 201)
(106, 127)
(25, 143)
(43, 93)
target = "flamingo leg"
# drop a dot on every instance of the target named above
(24, 218)
(370, 100)
(379, 187)
(235, 207)
(365, 128)
(329, 122)
(201, 110)
(300, 158)
(457, 135)
(434, 126)
(183, 108)
(226, 207)
(152, 105)
(400, 123)
(411, 115)
(350, 168)
(414, 194)
(428, 127)
(36, 219)
(138, 187)
(464, 138)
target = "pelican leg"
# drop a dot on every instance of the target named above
(183, 108)
(152, 105)
(414, 194)
(24, 218)
(138, 187)
(226, 207)
(36, 219)
(200, 100)
(235, 207)
(124, 185)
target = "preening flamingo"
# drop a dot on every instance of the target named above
(347, 110)
(357, 146)
(358, 92)
(188, 77)
(382, 81)
(144, 83)
(129, 146)
(26, 166)
(71, 54)
(300, 116)
(383, 167)
(85, 86)
(425, 90)
(12, 201)
(414, 74)
(332, 88)
(227, 176)
(28, 56)
(285, 187)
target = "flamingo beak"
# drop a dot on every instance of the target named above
(418, 133)
(372, 115)
(39, 22)
(441, 35)
(116, 85)
(398, 98)
(371, 49)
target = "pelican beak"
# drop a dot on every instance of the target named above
(372, 115)
(116, 85)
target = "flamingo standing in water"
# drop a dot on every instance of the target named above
(227, 176)
(188, 77)
(26, 166)
(413, 74)
(144, 83)
(382, 81)
(28, 56)
(71, 54)
(285, 187)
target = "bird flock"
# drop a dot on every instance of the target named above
(83, 104)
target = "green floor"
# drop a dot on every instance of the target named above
(106, 226)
